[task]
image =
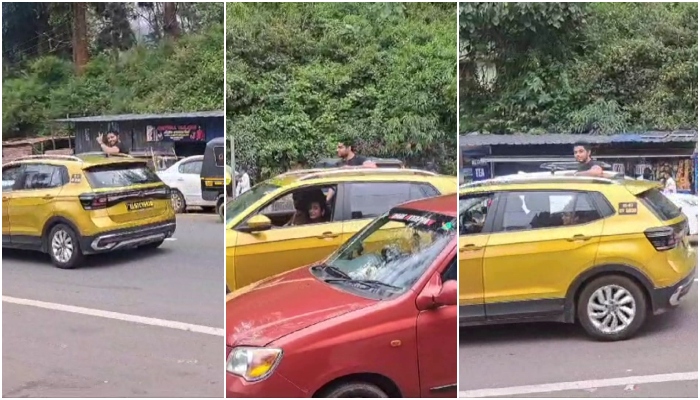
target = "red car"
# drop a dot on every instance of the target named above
(378, 318)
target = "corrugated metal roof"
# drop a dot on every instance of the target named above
(473, 139)
(136, 117)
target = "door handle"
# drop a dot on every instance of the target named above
(48, 197)
(328, 235)
(180, 180)
(470, 247)
(5, 198)
(577, 238)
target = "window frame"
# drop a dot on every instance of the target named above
(490, 222)
(347, 205)
(503, 197)
(450, 264)
(62, 170)
(20, 174)
(181, 167)
(285, 192)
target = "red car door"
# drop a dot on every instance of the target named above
(437, 344)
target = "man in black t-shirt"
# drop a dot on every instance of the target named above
(586, 165)
(111, 144)
(348, 157)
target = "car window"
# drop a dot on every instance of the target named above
(537, 209)
(191, 167)
(10, 175)
(120, 175)
(292, 208)
(473, 211)
(660, 205)
(41, 176)
(450, 274)
(370, 200)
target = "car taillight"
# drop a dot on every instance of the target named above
(93, 201)
(664, 238)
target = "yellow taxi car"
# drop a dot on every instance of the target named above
(70, 206)
(261, 242)
(604, 252)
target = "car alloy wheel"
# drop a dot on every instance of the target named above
(178, 201)
(611, 309)
(62, 246)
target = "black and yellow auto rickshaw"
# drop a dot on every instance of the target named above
(215, 179)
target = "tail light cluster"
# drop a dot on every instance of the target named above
(665, 238)
(94, 201)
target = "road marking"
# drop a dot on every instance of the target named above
(118, 316)
(580, 385)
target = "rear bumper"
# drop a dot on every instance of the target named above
(127, 238)
(669, 297)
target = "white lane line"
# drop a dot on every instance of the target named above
(580, 385)
(118, 316)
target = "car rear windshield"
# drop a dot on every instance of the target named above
(660, 205)
(120, 175)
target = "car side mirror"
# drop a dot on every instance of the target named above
(257, 223)
(448, 294)
(437, 294)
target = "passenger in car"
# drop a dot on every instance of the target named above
(317, 209)
(301, 214)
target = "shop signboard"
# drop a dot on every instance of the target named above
(175, 133)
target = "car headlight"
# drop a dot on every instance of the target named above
(253, 363)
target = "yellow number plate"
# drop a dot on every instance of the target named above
(139, 205)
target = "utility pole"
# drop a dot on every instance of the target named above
(233, 166)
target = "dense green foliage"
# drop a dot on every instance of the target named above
(300, 76)
(151, 76)
(578, 67)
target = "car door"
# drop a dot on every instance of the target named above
(475, 223)
(437, 339)
(262, 254)
(32, 202)
(365, 201)
(535, 251)
(10, 176)
(188, 176)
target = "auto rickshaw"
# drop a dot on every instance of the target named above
(216, 180)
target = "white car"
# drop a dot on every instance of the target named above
(183, 177)
(688, 203)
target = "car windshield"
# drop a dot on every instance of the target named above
(247, 199)
(389, 255)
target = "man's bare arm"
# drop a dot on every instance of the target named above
(109, 150)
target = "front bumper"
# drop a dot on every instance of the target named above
(274, 386)
(128, 238)
(669, 297)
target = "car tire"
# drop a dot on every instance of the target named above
(178, 201)
(611, 296)
(220, 209)
(153, 245)
(63, 247)
(354, 389)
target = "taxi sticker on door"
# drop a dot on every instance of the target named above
(76, 178)
(629, 208)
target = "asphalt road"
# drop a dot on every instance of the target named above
(131, 324)
(558, 360)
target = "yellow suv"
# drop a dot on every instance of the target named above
(70, 206)
(605, 252)
(261, 242)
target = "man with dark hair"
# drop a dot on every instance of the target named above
(586, 165)
(111, 144)
(346, 152)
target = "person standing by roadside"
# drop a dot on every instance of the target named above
(243, 182)
(586, 165)
(669, 183)
(111, 144)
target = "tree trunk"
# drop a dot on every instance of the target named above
(170, 24)
(80, 50)
(42, 29)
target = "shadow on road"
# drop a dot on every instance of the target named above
(114, 259)
(524, 332)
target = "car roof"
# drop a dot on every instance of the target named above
(349, 174)
(445, 205)
(84, 160)
(564, 179)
